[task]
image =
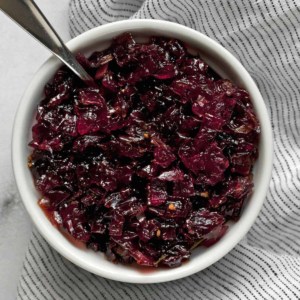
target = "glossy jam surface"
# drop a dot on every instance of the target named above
(150, 163)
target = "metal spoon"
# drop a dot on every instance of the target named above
(27, 14)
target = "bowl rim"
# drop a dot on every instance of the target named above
(177, 273)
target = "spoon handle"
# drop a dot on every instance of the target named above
(27, 14)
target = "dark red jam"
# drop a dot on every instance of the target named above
(153, 161)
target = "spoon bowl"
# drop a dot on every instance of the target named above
(227, 66)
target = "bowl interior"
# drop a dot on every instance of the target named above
(100, 38)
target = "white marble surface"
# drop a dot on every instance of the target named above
(20, 57)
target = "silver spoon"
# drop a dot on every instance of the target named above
(27, 14)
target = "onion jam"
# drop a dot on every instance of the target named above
(150, 162)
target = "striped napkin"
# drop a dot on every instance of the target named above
(265, 36)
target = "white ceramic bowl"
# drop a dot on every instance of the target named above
(222, 62)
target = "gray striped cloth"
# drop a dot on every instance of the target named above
(265, 36)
